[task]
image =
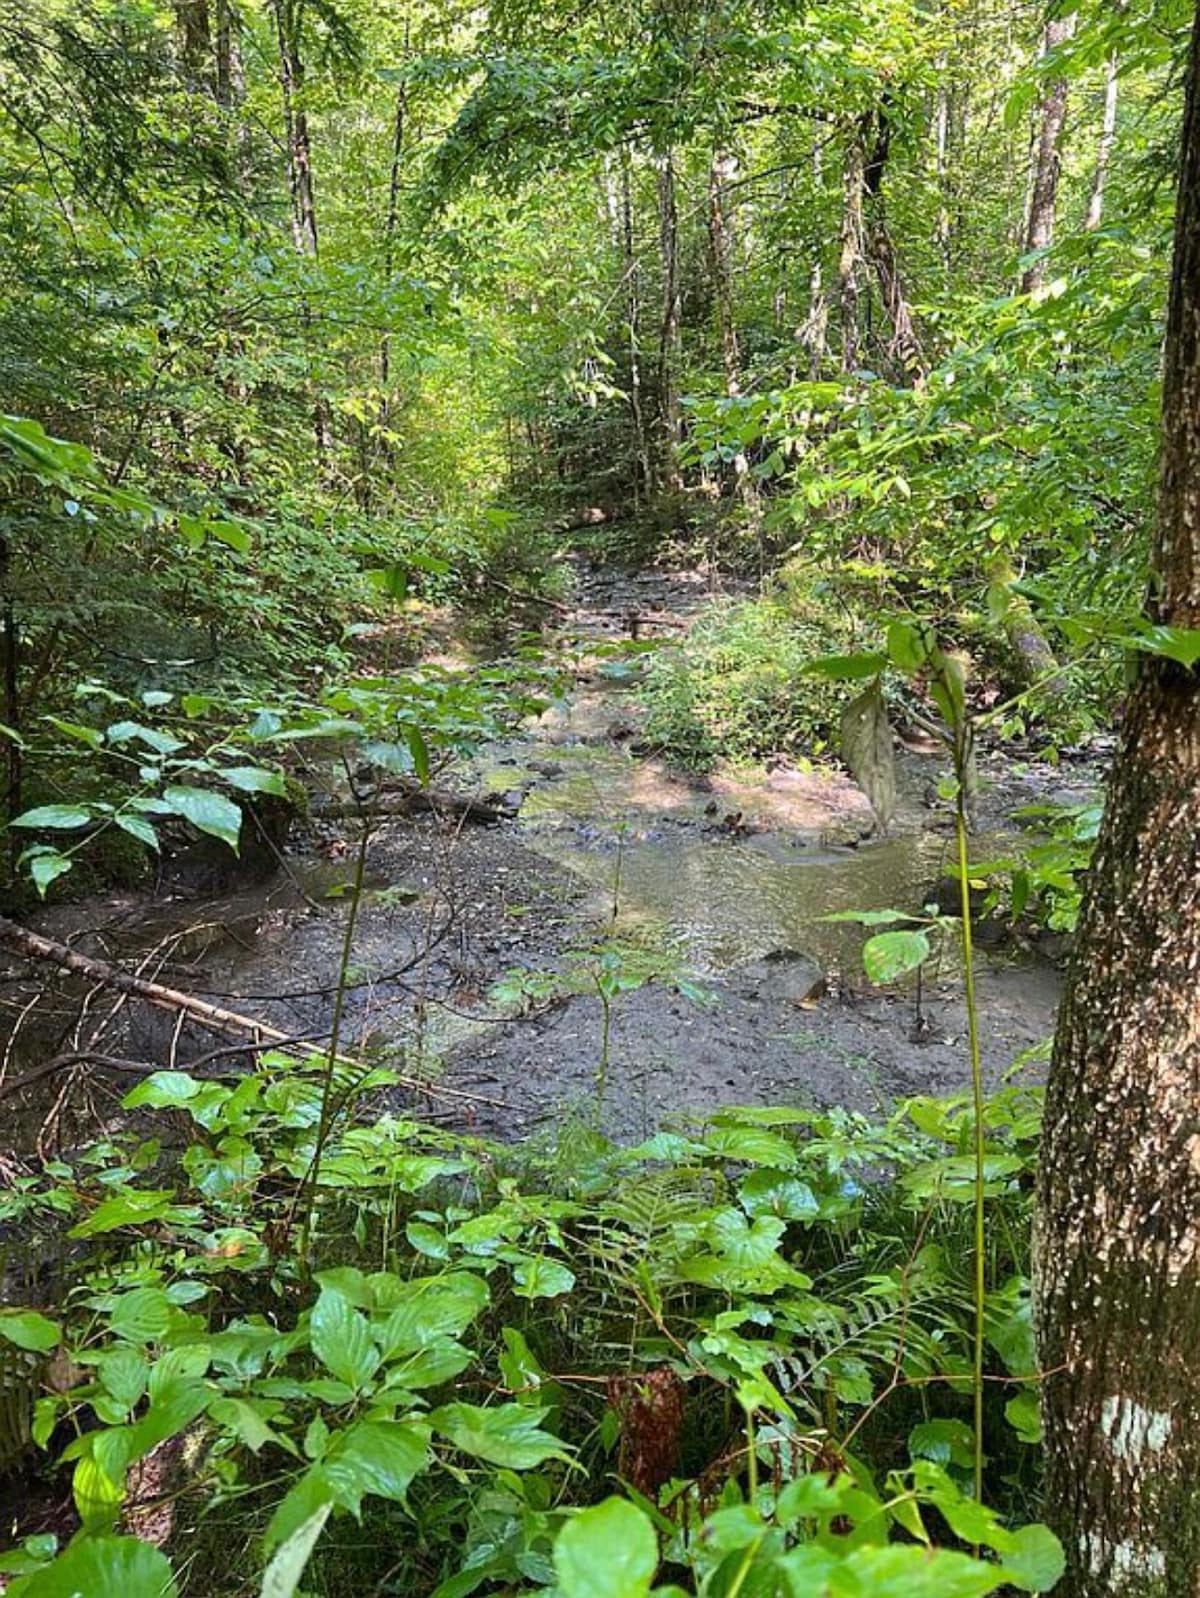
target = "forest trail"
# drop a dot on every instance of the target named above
(698, 901)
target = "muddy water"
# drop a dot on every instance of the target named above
(732, 873)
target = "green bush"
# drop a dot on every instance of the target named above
(735, 688)
(461, 1346)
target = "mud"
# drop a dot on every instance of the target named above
(721, 885)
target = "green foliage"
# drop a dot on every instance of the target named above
(737, 687)
(807, 1266)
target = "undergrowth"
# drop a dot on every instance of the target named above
(735, 1357)
(735, 686)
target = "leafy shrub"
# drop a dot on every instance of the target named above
(462, 1345)
(734, 687)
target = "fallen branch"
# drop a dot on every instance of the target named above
(32, 946)
(402, 800)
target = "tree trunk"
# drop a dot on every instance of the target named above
(669, 337)
(813, 331)
(903, 346)
(298, 158)
(1108, 132)
(631, 276)
(720, 244)
(850, 254)
(194, 35)
(1117, 1281)
(1043, 194)
(12, 704)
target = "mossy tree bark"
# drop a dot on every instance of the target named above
(1117, 1279)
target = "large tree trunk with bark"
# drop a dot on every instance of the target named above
(1047, 161)
(1117, 1289)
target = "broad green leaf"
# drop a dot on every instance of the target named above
(65, 818)
(47, 868)
(207, 811)
(776, 1193)
(141, 1315)
(132, 1208)
(505, 1434)
(431, 1307)
(866, 747)
(889, 955)
(104, 1567)
(342, 1341)
(282, 1576)
(608, 1551)
(541, 1277)
(1033, 1559)
(92, 736)
(909, 645)
(29, 1330)
(846, 668)
(255, 779)
(137, 827)
(379, 1456)
(123, 1372)
(751, 1145)
(231, 534)
(163, 743)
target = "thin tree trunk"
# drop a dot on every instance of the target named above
(669, 336)
(720, 244)
(850, 254)
(298, 157)
(1117, 1280)
(12, 703)
(391, 223)
(813, 331)
(1108, 133)
(633, 320)
(903, 346)
(1043, 194)
(941, 169)
(194, 32)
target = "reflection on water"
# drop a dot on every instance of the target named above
(731, 902)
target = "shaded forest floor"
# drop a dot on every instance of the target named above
(687, 907)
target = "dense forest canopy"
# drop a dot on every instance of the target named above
(605, 431)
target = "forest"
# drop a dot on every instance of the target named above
(599, 798)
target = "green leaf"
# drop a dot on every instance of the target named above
(123, 1373)
(1033, 1560)
(47, 868)
(64, 818)
(91, 736)
(104, 1567)
(430, 1307)
(132, 1208)
(506, 1434)
(541, 1277)
(342, 1341)
(909, 645)
(776, 1193)
(608, 1551)
(889, 955)
(846, 668)
(141, 1315)
(29, 1330)
(231, 534)
(207, 811)
(379, 1456)
(946, 1442)
(282, 1576)
(1181, 644)
(751, 1145)
(866, 747)
(255, 779)
(137, 827)
(1023, 1414)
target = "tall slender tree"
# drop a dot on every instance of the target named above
(1047, 160)
(1118, 1236)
